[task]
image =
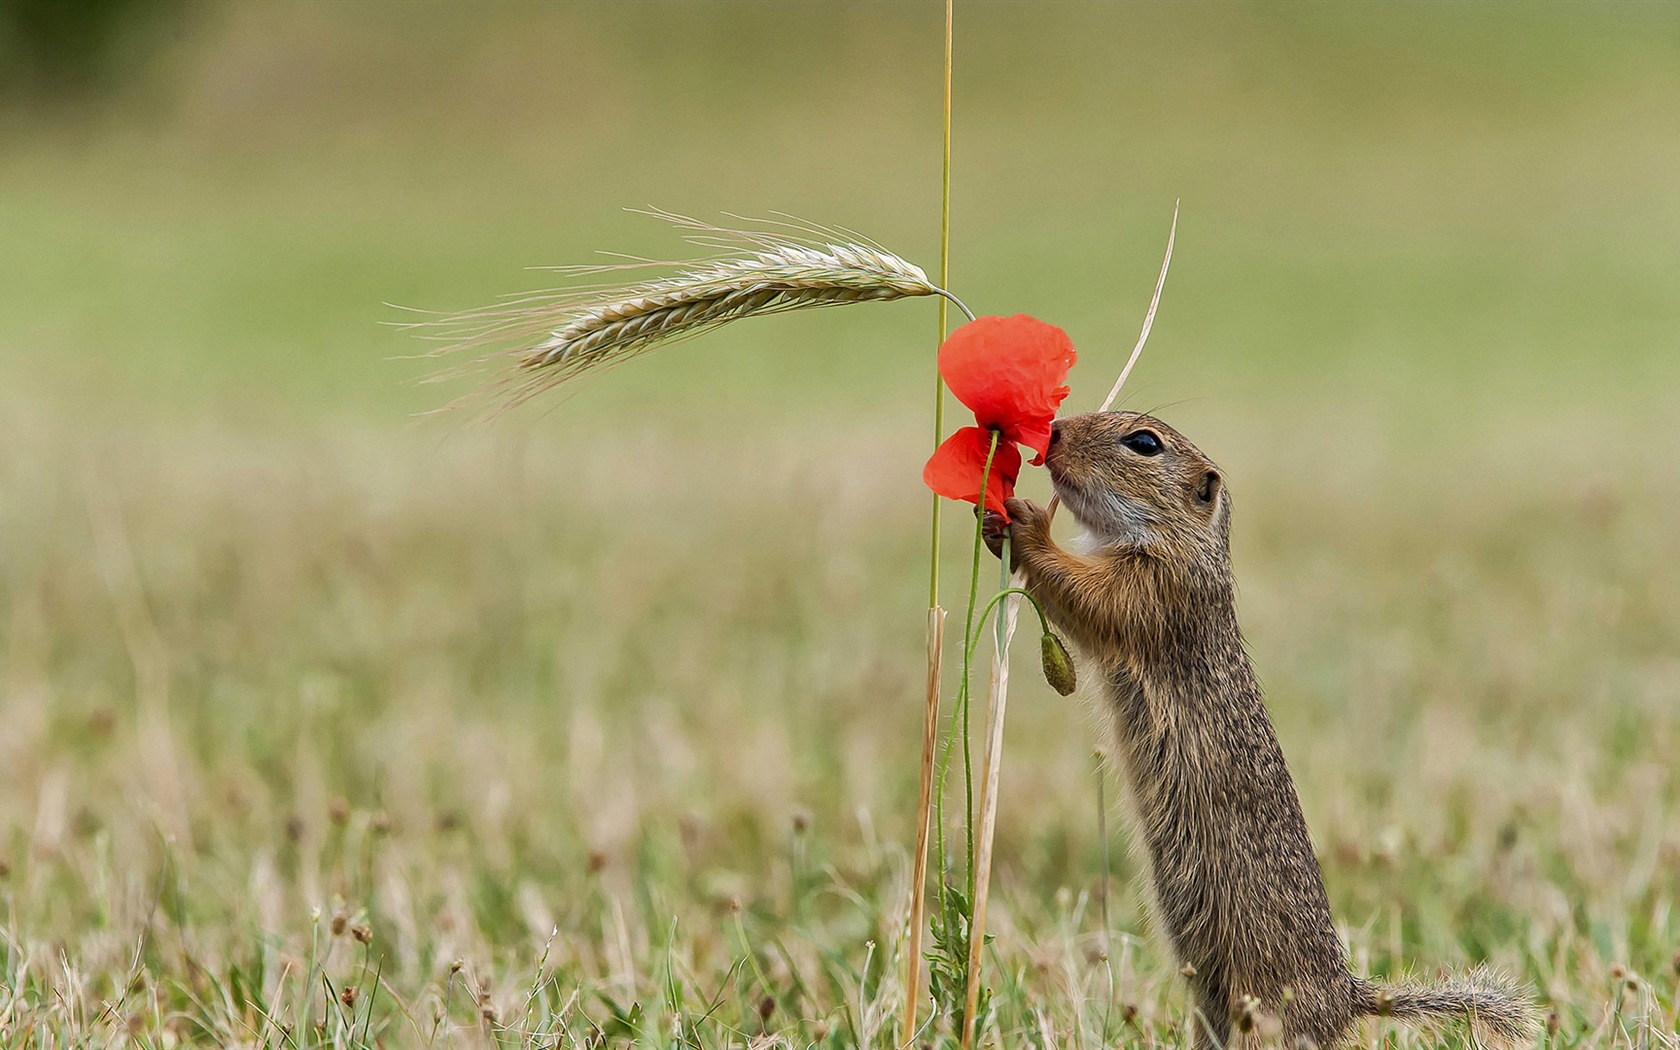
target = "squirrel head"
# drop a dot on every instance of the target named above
(1129, 478)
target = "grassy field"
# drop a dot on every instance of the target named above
(324, 726)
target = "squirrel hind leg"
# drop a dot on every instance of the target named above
(1500, 1013)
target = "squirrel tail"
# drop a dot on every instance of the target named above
(1500, 1013)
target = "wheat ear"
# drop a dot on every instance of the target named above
(554, 337)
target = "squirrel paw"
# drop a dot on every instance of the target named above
(993, 526)
(1026, 518)
(1026, 522)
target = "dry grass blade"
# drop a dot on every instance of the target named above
(1148, 318)
(1143, 335)
(782, 266)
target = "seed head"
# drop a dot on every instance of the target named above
(340, 922)
(1507, 836)
(1553, 1022)
(338, 811)
(362, 932)
(766, 1007)
(348, 995)
(1245, 1014)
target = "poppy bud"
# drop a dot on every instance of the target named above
(1058, 665)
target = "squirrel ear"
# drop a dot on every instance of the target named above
(1208, 487)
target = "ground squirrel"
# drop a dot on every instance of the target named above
(1149, 601)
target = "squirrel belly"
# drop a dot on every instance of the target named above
(1237, 889)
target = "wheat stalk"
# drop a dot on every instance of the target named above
(555, 337)
(936, 614)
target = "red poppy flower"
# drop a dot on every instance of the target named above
(1012, 372)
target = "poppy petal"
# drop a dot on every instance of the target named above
(954, 469)
(1012, 372)
(1036, 436)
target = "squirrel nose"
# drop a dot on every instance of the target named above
(1055, 432)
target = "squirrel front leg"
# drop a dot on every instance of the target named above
(1101, 601)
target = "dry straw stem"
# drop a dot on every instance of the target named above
(924, 807)
(997, 703)
(775, 267)
(999, 698)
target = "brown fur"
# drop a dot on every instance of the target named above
(1237, 887)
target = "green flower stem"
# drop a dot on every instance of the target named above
(1003, 589)
(1043, 623)
(959, 714)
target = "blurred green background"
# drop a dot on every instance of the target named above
(1383, 204)
(266, 631)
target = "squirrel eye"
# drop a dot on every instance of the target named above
(1142, 442)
